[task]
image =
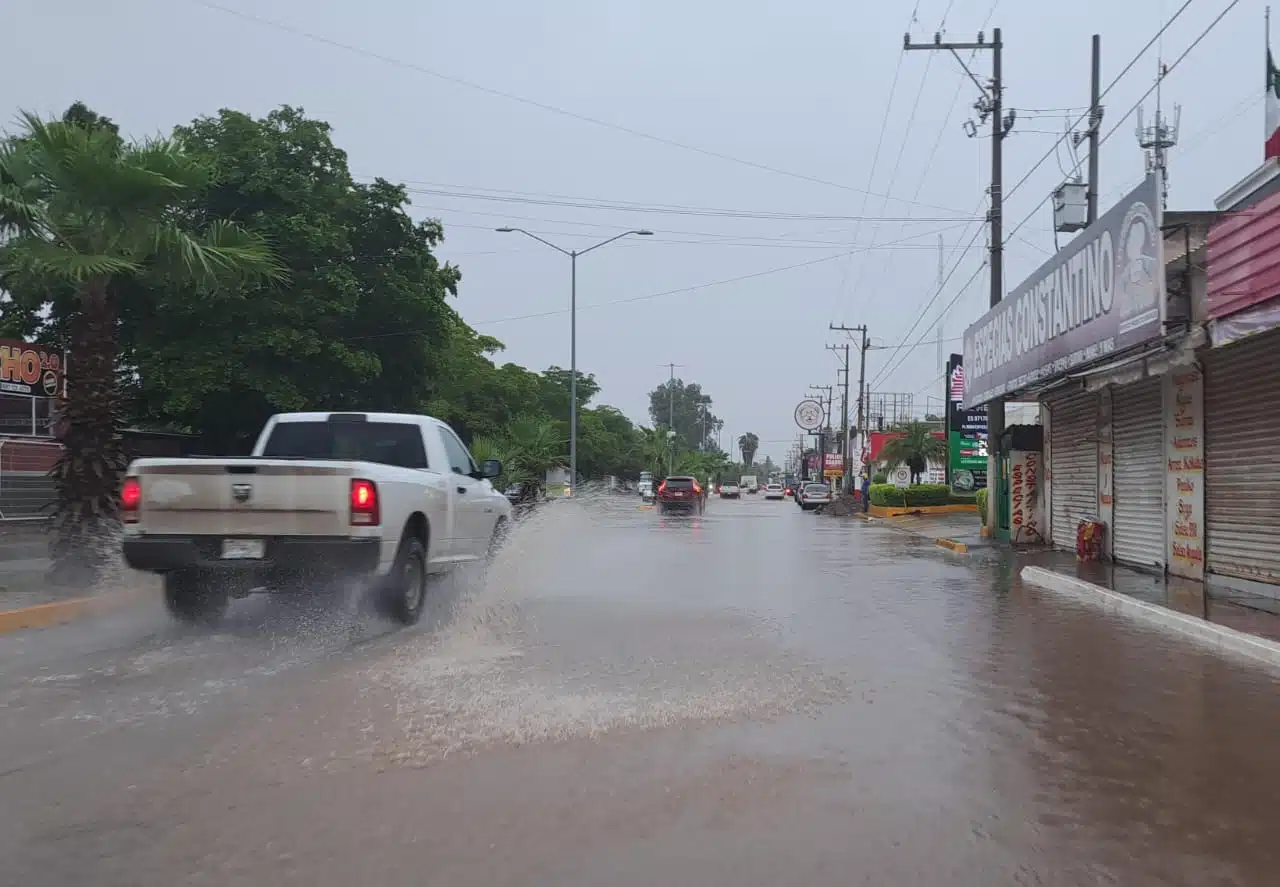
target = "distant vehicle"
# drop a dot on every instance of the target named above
(813, 495)
(680, 494)
(750, 483)
(730, 491)
(383, 499)
(645, 486)
(774, 491)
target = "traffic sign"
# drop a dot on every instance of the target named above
(809, 415)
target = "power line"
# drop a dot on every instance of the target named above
(1053, 148)
(664, 209)
(875, 157)
(906, 136)
(1168, 70)
(960, 84)
(920, 315)
(513, 97)
(626, 301)
(968, 283)
(425, 186)
(724, 240)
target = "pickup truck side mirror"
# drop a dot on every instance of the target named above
(490, 468)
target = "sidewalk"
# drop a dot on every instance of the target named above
(1251, 614)
(1226, 619)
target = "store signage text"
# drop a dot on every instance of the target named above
(1024, 496)
(30, 370)
(1100, 294)
(1185, 463)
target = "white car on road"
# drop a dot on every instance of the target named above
(774, 491)
(813, 495)
(730, 491)
(381, 498)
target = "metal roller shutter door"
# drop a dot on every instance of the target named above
(1138, 435)
(1073, 449)
(1242, 460)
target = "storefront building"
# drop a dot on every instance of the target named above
(1241, 386)
(1097, 335)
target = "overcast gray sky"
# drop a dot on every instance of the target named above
(685, 110)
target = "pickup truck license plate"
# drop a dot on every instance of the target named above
(243, 549)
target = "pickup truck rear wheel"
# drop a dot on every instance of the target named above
(193, 600)
(406, 589)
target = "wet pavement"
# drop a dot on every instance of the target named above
(759, 696)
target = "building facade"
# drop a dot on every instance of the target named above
(1106, 336)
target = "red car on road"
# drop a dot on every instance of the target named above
(681, 494)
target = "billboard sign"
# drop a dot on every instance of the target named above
(966, 433)
(1102, 293)
(30, 370)
(833, 465)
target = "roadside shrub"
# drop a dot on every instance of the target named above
(885, 495)
(982, 505)
(880, 478)
(928, 494)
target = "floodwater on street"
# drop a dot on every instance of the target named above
(756, 696)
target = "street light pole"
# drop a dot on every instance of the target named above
(573, 331)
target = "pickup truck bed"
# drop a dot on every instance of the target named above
(383, 498)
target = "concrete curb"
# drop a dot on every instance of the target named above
(62, 612)
(952, 545)
(1217, 637)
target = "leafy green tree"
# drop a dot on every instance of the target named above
(694, 422)
(915, 446)
(363, 322)
(608, 444)
(748, 443)
(85, 218)
(554, 397)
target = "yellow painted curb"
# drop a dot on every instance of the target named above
(901, 510)
(62, 612)
(953, 545)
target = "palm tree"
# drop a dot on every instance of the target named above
(654, 447)
(83, 212)
(529, 448)
(749, 444)
(915, 446)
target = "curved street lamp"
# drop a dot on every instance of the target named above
(573, 330)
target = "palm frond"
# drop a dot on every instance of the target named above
(31, 255)
(226, 252)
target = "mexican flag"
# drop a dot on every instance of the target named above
(1273, 107)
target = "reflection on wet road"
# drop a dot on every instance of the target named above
(754, 696)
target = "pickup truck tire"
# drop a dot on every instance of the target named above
(192, 600)
(405, 592)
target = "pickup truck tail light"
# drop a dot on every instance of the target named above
(130, 499)
(365, 511)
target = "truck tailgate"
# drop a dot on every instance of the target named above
(255, 497)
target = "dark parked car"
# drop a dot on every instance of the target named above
(681, 494)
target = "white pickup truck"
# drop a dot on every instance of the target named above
(382, 498)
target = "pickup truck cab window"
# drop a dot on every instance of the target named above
(383, 443)
(459, 456)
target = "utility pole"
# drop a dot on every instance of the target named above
(1095, 124)
(862, 383)
(822, 432)
(671, 417)
(842, 352)
(990, 106)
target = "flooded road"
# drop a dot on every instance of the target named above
(759, 696)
